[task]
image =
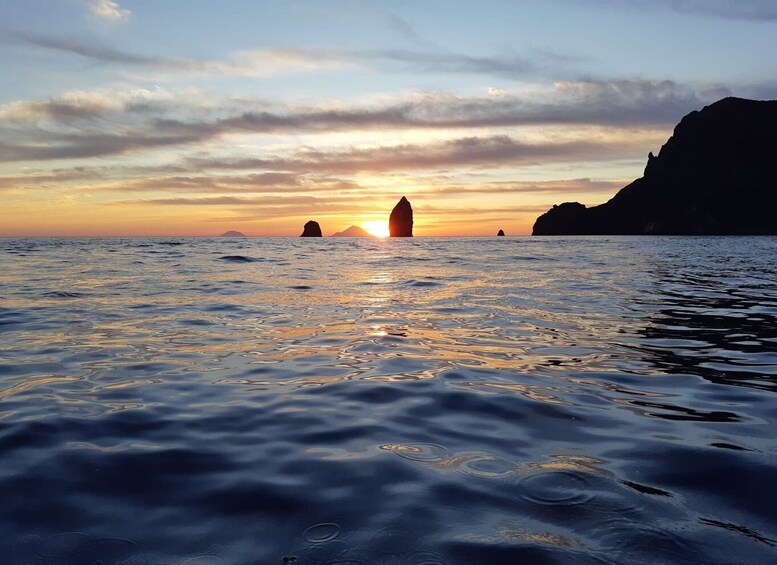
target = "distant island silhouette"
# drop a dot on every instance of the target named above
(401, 219)
(353, 231)
(500, 233)
(716, 175)
(232, 233)
(311, 229)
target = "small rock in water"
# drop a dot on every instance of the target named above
(500, 232)
(311, 229)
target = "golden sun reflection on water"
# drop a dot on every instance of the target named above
(518, 535)
(33, 382)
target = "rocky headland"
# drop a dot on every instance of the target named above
(716, 175)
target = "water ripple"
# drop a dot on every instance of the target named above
(208, 401)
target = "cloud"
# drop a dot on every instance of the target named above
(275, 207)
(265, 62)
(752, 10)
(81, 146)
(44, 179)
(82, 108)
(402, 26)
(108, 11)
(613, 103)
(251, 183)
(90, 50)
(278, 208)
(113, 122)
(468, 152)
(561, 186)
(508, 65)
(757, 10)
(110, 180)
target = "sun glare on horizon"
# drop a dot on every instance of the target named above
(378, 228)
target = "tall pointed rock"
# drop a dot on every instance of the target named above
(401, 219)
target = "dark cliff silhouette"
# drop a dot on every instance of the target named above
(353, 231)
(500, 233)
(311, 229)
(401, 219)
(716, 175)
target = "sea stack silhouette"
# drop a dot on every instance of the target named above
(716, 175)
(311, 229)
(500, 233)
(401, 219)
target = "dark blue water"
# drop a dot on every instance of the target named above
(359, 401)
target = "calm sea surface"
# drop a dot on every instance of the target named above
(360, 401)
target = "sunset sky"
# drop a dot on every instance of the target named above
(193, 117)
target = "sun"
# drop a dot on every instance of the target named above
(378, 228)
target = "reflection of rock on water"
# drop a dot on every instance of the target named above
(735, 323)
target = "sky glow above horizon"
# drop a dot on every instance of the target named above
(173, 117)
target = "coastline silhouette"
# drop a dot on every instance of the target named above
(714, 176)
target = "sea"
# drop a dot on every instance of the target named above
(419, 401)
